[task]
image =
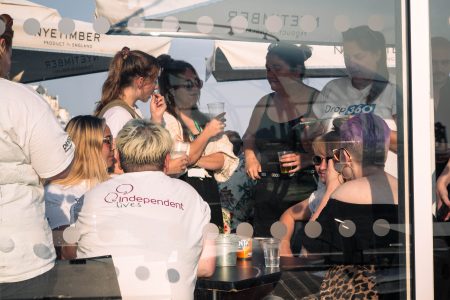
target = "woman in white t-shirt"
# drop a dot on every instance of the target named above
(132, 77)
(366, 89)
(93, 156)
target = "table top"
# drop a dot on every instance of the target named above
(246, 274)
(252, 272)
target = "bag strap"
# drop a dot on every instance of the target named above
(120, 103)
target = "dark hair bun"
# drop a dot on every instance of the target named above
(307, 52)
(164, 60)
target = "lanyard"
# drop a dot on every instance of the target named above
(199, 129)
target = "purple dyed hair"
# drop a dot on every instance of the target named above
(366, 137)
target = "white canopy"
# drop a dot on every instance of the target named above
(306, 21)
(51, 54)
(243, 29)
(246, 60)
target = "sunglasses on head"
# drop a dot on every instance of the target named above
(317, 160)
(189, 84)
(341, 155)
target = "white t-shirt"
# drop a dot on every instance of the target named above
(316, 197)
(116, 117)
(339, 98)
(149, 223)
(32, 145)
(61, 201)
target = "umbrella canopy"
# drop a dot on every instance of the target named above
(49, 53)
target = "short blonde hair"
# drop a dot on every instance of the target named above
(142, 143)
(324, 144)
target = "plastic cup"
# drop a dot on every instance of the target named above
(179, 149)
(216, 108)
(244, 248)
(271, 249)
(284, 170)
(226, 247)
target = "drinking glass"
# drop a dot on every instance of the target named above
(271, 249)
(284, 170)
(216, 108)
(179, 149)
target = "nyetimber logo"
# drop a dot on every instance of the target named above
(83, 36)
(122, 197)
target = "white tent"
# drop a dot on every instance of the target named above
(242, 30)
(246, 60)
(51, 54)
(306, 21)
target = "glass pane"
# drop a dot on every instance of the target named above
(440, 58)
(303, 177)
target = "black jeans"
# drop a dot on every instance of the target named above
(38, 287)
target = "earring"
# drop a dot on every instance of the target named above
(347, 173)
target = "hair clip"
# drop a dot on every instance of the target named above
(125, 52)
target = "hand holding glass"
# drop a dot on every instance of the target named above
(179, 149)
(284, 169)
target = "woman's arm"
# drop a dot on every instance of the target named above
(393, 138)
(207, 261)
(441, 189)
(157, 108)
(212, 128)
(214, 161)
(297, 212)
(63, 249)
(332, 184)
(252, 165)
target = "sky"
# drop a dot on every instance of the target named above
(78, 94)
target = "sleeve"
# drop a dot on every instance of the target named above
(116, 117)
(51, 149)
(54, 210)
(318, 105)
(173, 126)
(316, 197)
(231, 161)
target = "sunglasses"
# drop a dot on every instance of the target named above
(108, 140)
(317, 160)
(189, 84)
(341, 155)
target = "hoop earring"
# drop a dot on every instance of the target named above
(341, 178)
(347, 173)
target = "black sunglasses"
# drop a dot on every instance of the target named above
(189, 84)
(108, 140)
(317, 160)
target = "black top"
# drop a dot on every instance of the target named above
(359, 247)
(272, 137)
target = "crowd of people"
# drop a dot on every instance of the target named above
(110, 176)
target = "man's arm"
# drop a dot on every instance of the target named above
(207, 261)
